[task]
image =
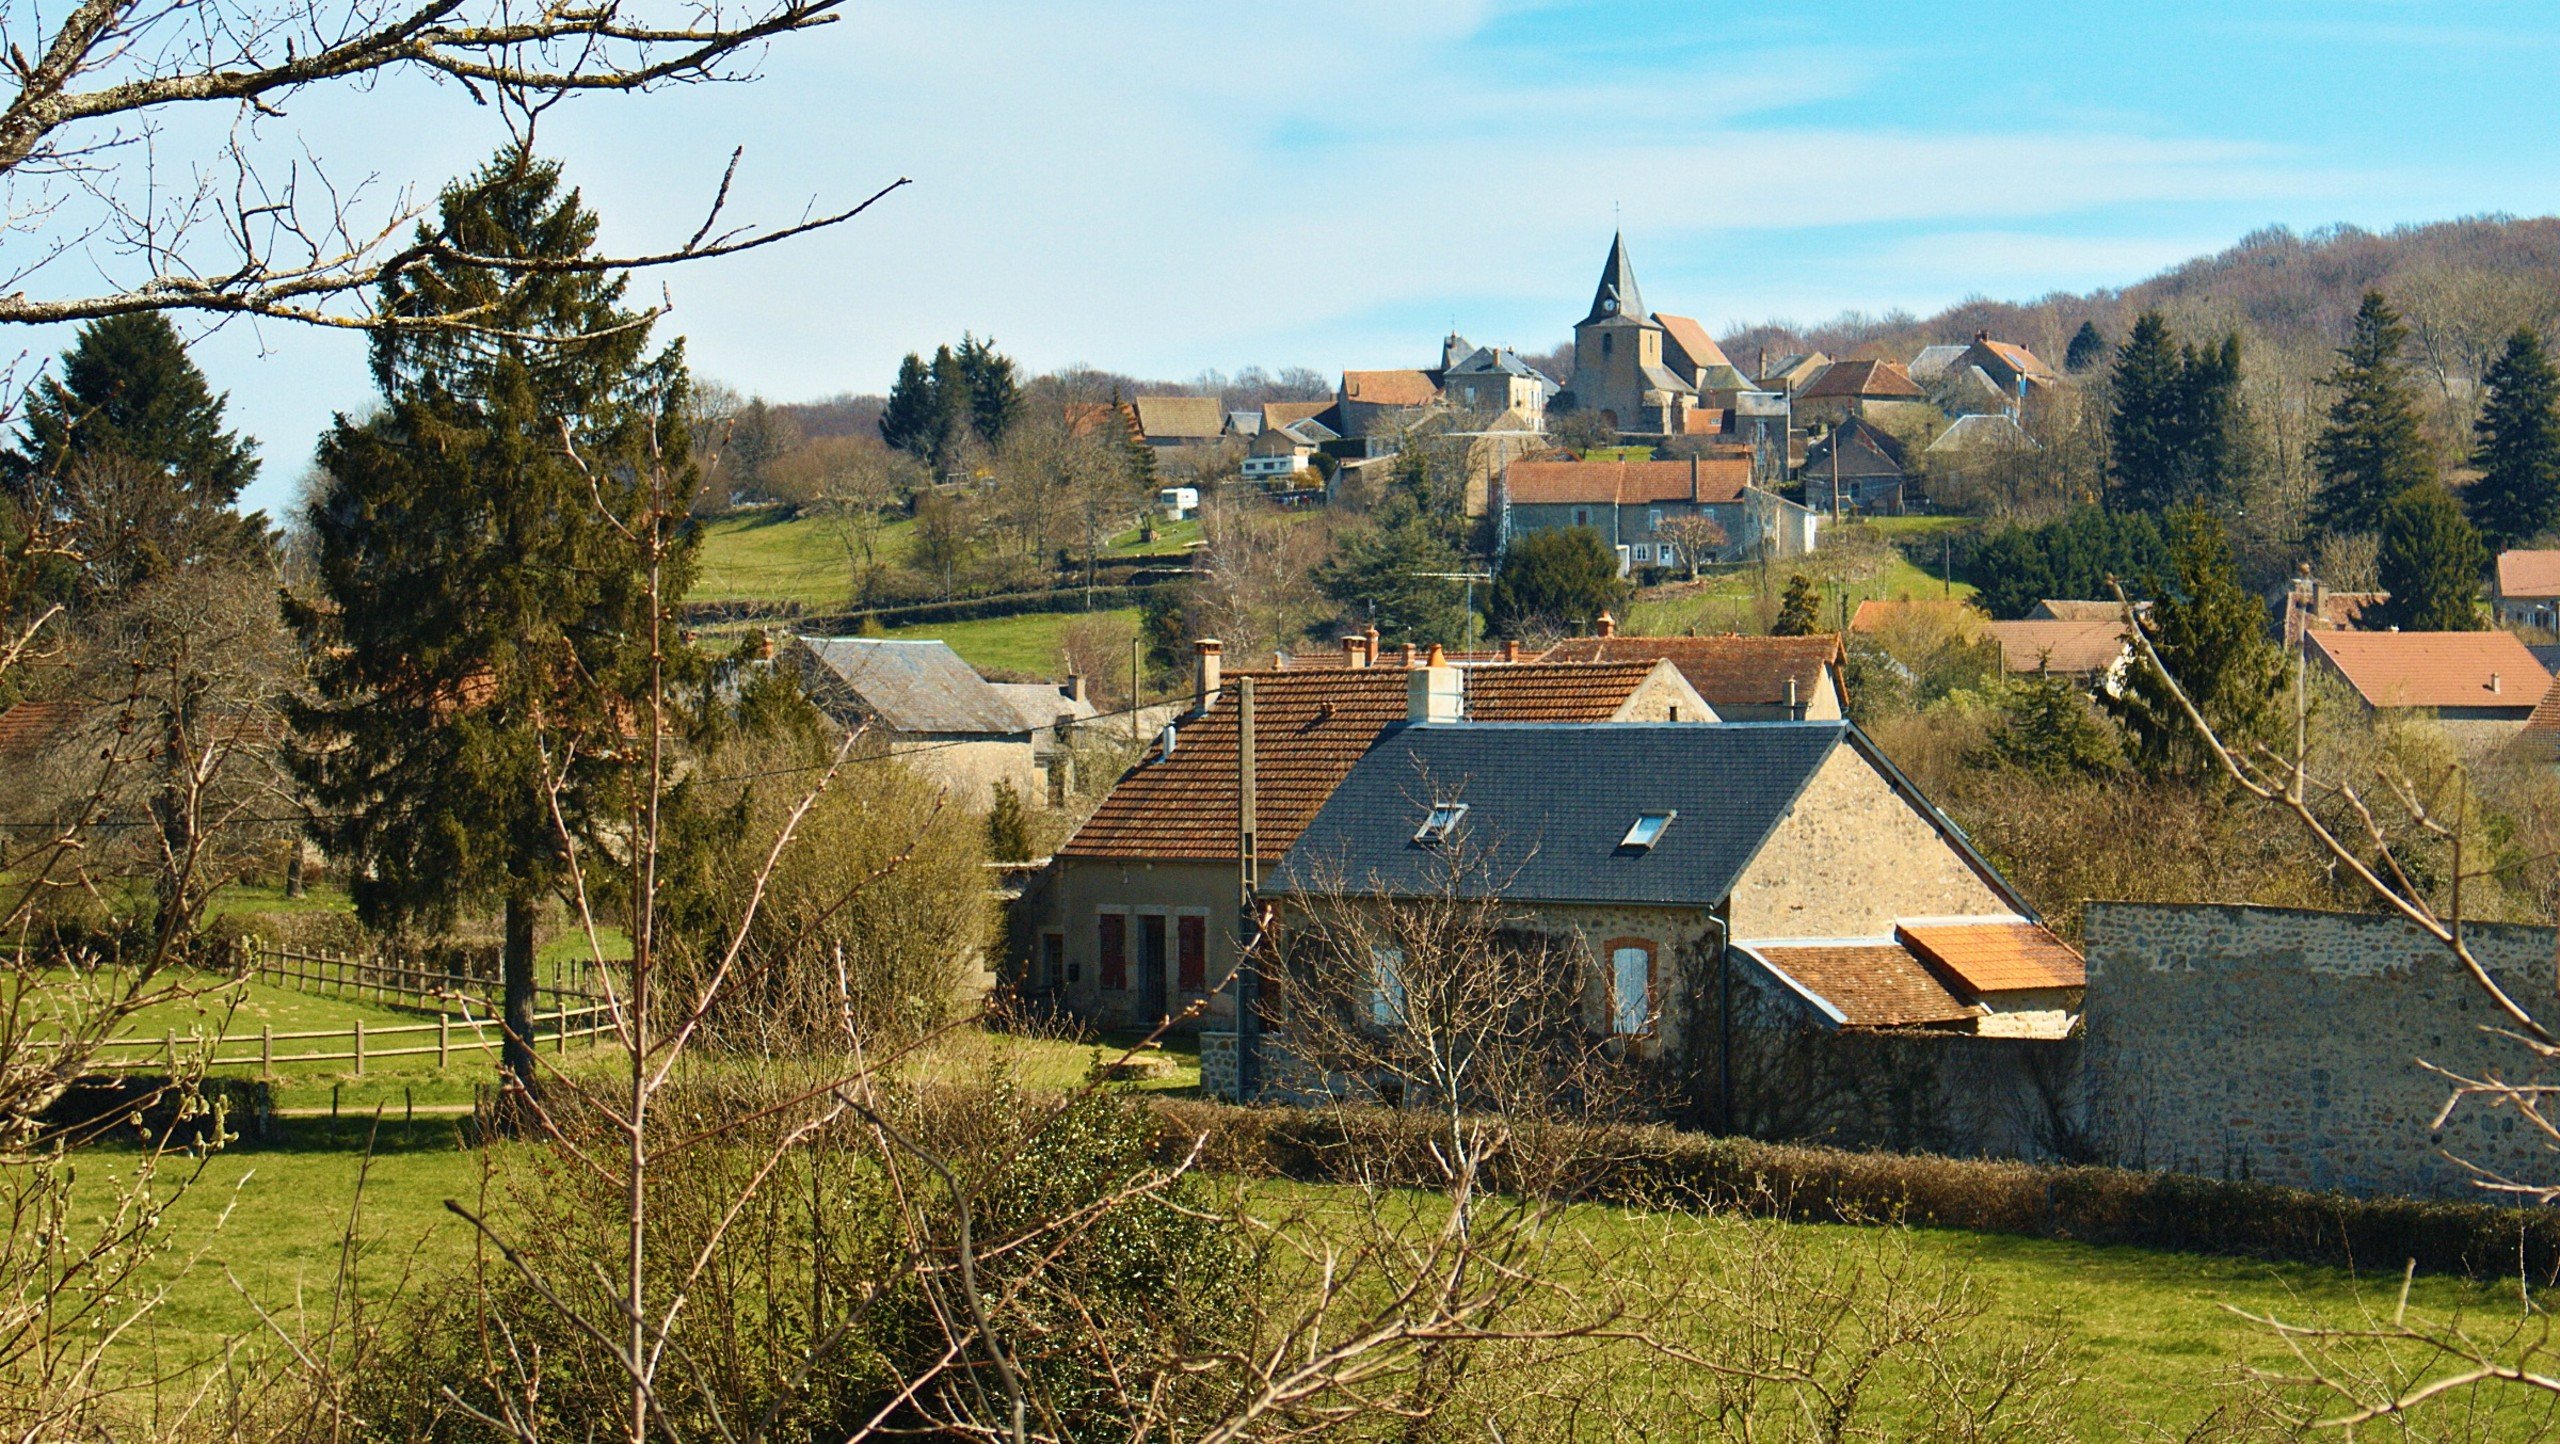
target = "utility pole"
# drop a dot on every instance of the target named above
(1248, 916)
(1137, 679)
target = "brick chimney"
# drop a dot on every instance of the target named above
(1608, 625)
(1355, 650)
(1204, 672)
(1435, 692)
(1511, 649)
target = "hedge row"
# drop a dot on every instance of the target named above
(1014, 604)
(1656, 1167)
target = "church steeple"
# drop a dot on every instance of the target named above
(1617, 295)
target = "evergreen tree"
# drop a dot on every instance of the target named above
(912, 420)
(1800, 610)
(951, 418)
(1564, 577)
(1008, 826)
(2086, 350)
(2211, 634)
(2047, 727)
(994, 397)
(480, 647)
(2372, 449)
(2072, 557)
(2146, 430)
(123, 457)
(2517, 497)
(1378, 576)
(2430, 562)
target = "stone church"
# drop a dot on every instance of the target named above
(1632, 368)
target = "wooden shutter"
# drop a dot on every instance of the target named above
(1111, 935)
(1191, 942)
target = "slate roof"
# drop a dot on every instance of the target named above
(1617, 297)
(1548, 805)
(1934, 362)
(1713, 479)
(1727, 671)
(1311, 725)
(1039, 704)
(1865, 442)
(2073, 649)
(1793, 372)
(1993, 955)
(2529, 574)
(2435, 669)
(916, 686)
(1878, 380)
(1389, 388)
(1862, 982)
(1983, 431)
(1181, 418)
(1307, 431)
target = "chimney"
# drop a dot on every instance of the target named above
(1795, 708)
(1204, 683)
(2493, 682)
(1073, 691)
(1371, 651)
(1436, 693)
(1511, 649)
(1608, 625)
(1355, 650)
(1404, 654)
(1981, 336)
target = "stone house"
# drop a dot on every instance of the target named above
(1372, 408)
(2528, 589)
(1494, 380)
(2479, 686)
(919, 701)
(1857, 467)
(2013, 370)
(1167, 422)
(1793, 373)
(1630, 502)
(2094, 651)
(1689, 863)
(1878, 390)
(1278, 453)
(1135, 917)
(1689, 353)
(1745, 679)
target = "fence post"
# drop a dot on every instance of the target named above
(359, 1047)
(444, 1029)
(169, 1048)
(266, 1050)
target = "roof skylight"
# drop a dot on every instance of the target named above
(1443, 821)
(1647, 830)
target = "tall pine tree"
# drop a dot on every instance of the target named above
(2146, 430)
(2372, 449)
(2430, 562)
(2517, 497)
(2211, 634)
(912, 421)
(994, 397)
(481, 633)
(123, 458)
(2086, 350)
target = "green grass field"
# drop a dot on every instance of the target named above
(1026, 644)
(1736, 601)
(2152, 1336)
(760, 556)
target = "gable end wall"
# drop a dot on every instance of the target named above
(1851, 857)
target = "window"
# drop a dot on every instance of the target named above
(1631, 988)
(1605, 337)
(1053, 961)
(1386, 985)
(1111, 942)
(1644, 552)
(1443, 820)
(1647, 829)
(1653, 518)
(1191, 953)
(1582, 516)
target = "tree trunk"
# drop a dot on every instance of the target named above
(516, 974)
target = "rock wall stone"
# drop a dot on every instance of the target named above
(2290, 1047)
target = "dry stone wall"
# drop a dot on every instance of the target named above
(2285, 1046)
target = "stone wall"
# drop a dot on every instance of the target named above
(2285, 1046)
(1851, 857)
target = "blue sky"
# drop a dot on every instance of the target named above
(1159, 188)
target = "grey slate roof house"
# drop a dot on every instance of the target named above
(1857, 466)
(1670, 852)
(921, 701)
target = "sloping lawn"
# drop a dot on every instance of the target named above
(1027, 644)
(760, 556)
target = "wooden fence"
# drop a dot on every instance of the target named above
(393, 980)
(359, 1044)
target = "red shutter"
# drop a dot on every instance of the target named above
(1191, 937)
(1111, 931)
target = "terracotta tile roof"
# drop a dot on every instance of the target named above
(1627, 483)
(1728, 671)
(1310, 726)
(1181, 418)
(1850, 379)
(1994, 955)
(1692, 339)
(2339, 611)
(1276, 414)
(1086, 417)
(2529, 574)
(1875, 616)
(2018, 358)
(30, 727)
(2435, 669)
(2074, 649)
(2543, 726)
(1867, 984)
(1389, 388)
(1706, 421)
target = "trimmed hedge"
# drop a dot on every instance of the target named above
(143, 1107)
(1659, 1167)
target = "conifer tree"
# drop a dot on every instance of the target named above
(1378, 575)
(994, 396)
(2047, 727)
(480, 637)
(123, 456)
(1564, 577)
(2430, 562)
(2517, 497)
(2086, 350)
(2211, 634)
(2145, 432)
(912, 421)
(2372, 449)
(1800, 610)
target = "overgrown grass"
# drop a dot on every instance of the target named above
(1027, 644)
(762, 555)
(1744, 600)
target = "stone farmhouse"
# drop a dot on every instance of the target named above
(921, 702)
(1135, 917)
(1858, 466)
(2528, 589)
(1629, 504)
(1689, 862)
(2481, 687)
(1745, 679)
